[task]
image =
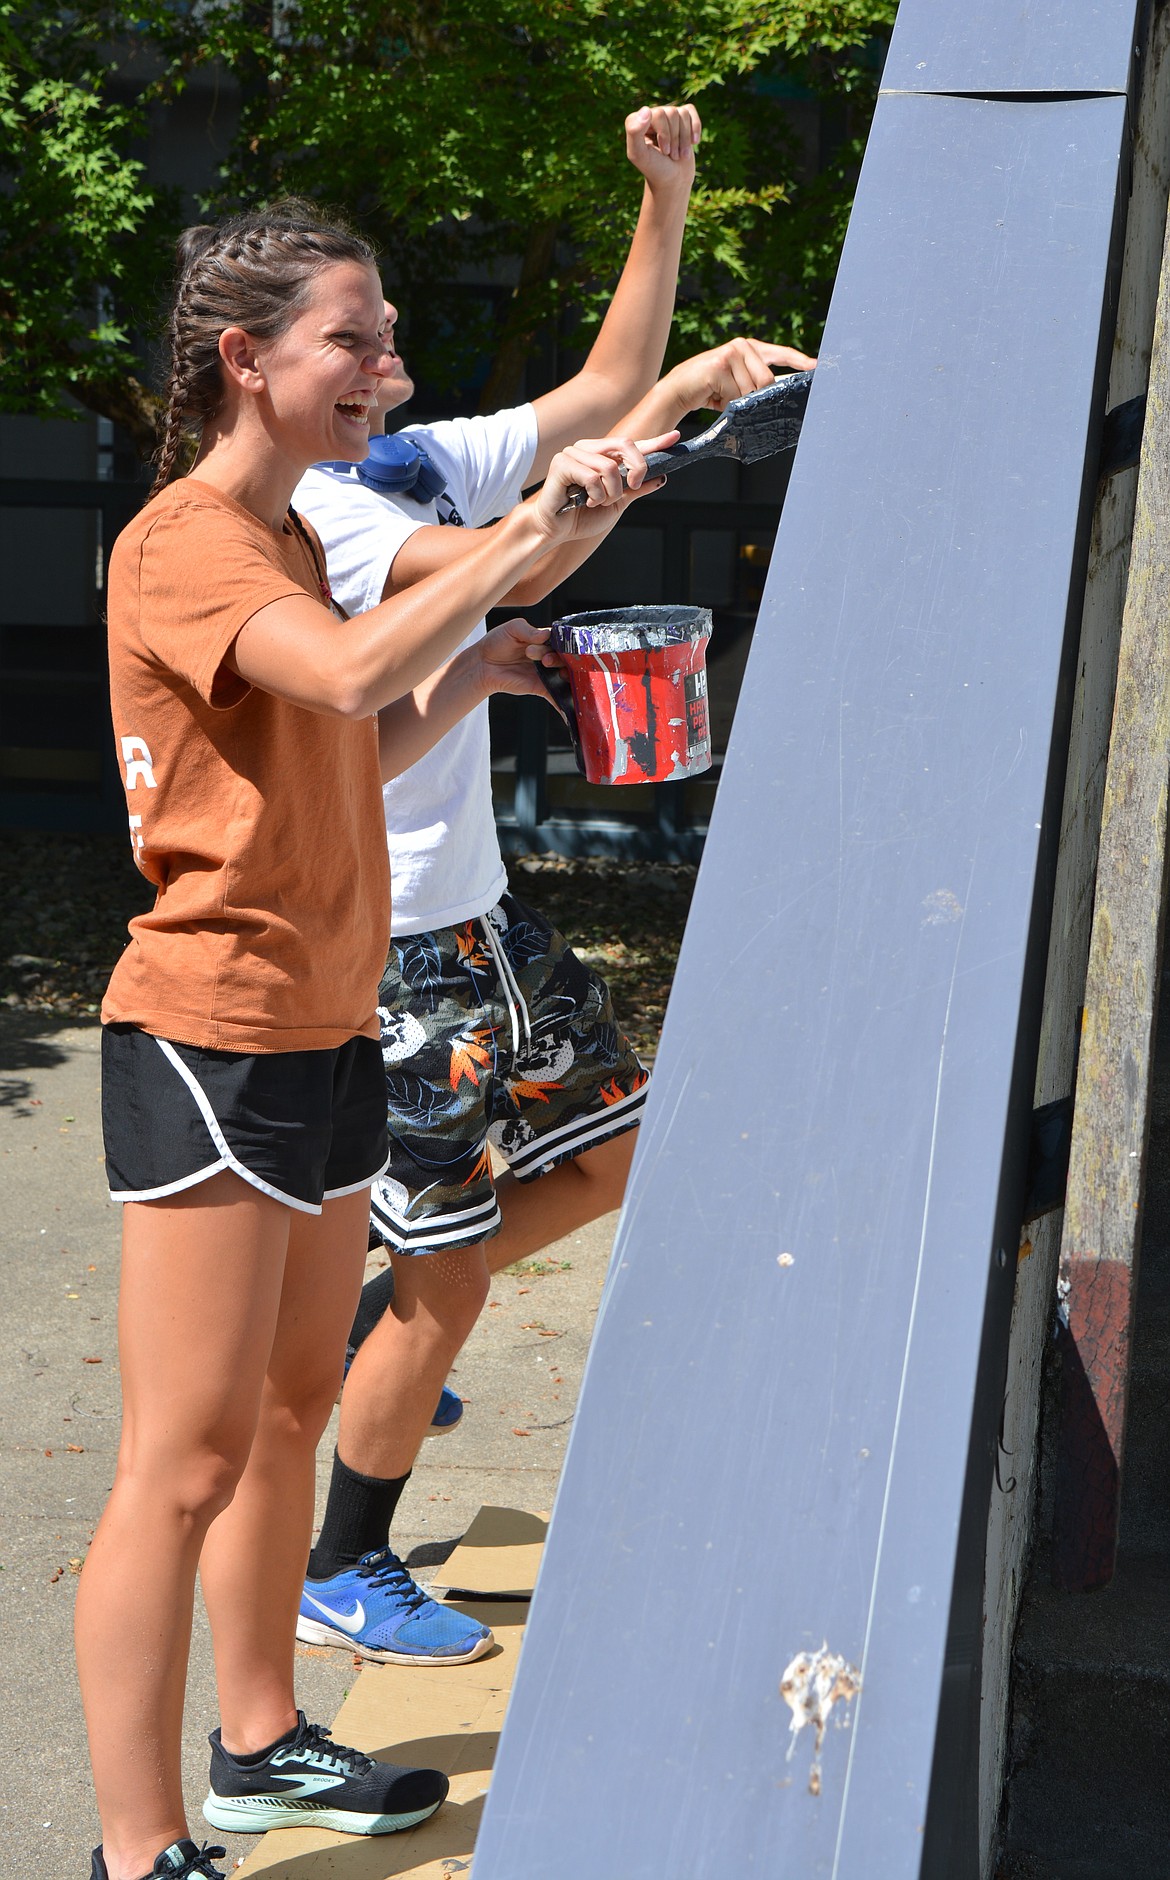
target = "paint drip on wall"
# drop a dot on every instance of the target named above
(810, 1685)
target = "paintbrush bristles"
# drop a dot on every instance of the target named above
(770, 420)
(750, 429)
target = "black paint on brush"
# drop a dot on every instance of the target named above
(749, 429)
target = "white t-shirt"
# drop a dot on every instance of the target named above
(445, 861)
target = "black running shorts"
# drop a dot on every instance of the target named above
(302, 1126)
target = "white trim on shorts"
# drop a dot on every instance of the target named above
(437, 1230)
(228, 1159)
(168, 1188)
(574, 1137)
(367, 1181)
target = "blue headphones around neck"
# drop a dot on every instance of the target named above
(398, 466)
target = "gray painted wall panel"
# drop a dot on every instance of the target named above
(771, 1454)
(1000, 46)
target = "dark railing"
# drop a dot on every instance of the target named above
(57, 764)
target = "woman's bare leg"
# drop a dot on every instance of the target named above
(200, 1293)
(256, 1551)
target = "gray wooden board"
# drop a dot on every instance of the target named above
(772, 1455)
(1003, 46)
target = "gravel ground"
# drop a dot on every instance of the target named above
(65, 902)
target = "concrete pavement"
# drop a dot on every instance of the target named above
(59, 1416)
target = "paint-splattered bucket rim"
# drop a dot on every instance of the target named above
(629, 629)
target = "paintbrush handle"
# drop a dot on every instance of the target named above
(659, 463)
(752, 427)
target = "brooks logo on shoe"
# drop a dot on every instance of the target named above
(300, 1787)
(349, 1622)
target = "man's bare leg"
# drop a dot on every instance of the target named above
(397, 1374)
(537, 1213)
(357, 1594)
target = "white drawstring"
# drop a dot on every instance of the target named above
(517, 1009)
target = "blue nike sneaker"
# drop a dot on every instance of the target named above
(378, 1611)
(447, 1415)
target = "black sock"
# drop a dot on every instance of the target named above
(357, 1520)
(375, 1299)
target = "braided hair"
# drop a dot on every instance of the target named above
(252, 271)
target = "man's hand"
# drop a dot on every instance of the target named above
(710, 380)
(509, 658)
(661, 141)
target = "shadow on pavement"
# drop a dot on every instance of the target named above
(28, 1043)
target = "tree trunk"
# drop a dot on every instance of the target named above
(506, 378)
(128, 403)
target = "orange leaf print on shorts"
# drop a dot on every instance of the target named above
(471, 949)
(466, 1053)
(532, 1087)
(482, 1170)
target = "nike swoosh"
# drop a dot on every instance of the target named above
(351, 1622)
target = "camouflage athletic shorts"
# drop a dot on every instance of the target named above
(492, 1031)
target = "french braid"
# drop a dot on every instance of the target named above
(252, 271)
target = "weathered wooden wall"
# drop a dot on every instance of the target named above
(1015, 1498)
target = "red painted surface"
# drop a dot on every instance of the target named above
(1095, 1346)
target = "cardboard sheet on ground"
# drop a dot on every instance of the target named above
(498, 1556)
(441, 1717)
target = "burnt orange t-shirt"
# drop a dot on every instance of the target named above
(259, 823)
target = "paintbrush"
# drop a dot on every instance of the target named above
(749, 429)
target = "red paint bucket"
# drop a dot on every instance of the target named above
(633, 688)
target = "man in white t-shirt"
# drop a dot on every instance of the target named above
(492, 1030)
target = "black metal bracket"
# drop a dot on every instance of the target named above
(1121, 440)
(1048, 1153)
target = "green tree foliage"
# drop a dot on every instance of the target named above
(464, 136)
(465, 132)
(84, 241)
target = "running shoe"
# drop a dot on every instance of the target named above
(447, 1415)
(376, 1609)
(305, 1780)
(179, 1861)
